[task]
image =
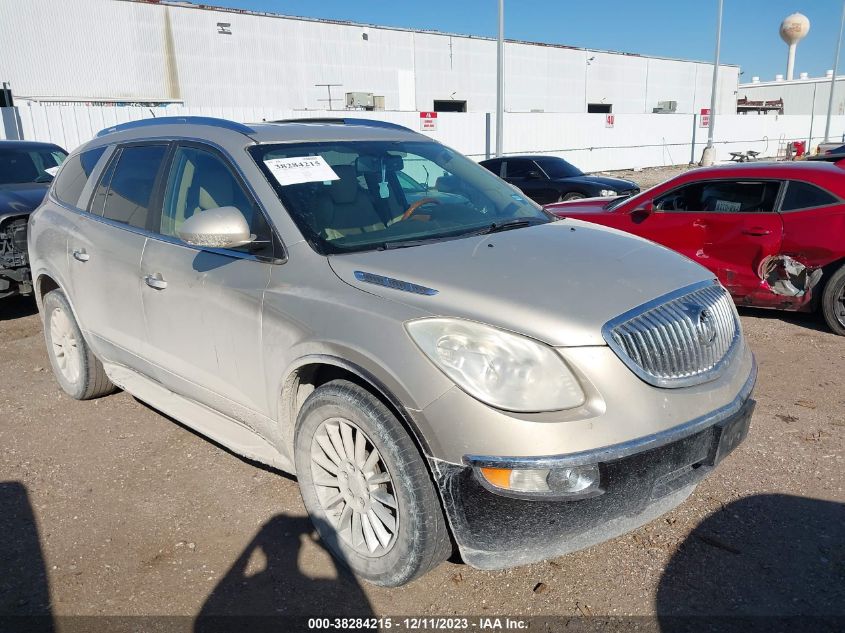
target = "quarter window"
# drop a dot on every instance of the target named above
(200, 180)
(126, 191)
(74, 175)
(802, 195)
(722, 197)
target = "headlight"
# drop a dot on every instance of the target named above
(606, 193)
(504, 370)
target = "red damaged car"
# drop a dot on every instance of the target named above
(773, 233)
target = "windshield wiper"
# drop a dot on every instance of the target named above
(507, 225)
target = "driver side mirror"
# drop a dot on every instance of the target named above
(642, 212)
(534, 175)
(223, 227)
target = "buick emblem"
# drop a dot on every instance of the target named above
(706, 327)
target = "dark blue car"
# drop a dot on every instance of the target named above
(26, 171)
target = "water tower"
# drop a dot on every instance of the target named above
(793, 29)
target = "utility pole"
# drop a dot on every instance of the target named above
(709, 151)
(329, 88)
(500, 79)
(833, 79)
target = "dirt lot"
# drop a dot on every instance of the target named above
(136, 515)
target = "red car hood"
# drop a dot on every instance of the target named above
(578, 207)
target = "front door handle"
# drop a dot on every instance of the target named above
(81, 256)
(155, 281)
(757, 231)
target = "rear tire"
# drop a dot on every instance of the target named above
(79, 373)
(572, 195)
(378, 514)
(833, 302)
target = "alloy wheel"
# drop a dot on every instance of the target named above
(65, 345)
(354, 487)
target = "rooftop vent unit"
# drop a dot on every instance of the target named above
(666, 107)
(359, 100)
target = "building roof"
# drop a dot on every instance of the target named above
(209, 7)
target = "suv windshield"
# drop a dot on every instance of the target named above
(362, 195)
(558, 168)
(29, 165)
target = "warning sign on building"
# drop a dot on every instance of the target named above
(428, 121)
(609, 120)
(704, 119)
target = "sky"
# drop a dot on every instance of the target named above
(684, 29)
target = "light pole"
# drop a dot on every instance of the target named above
(500, 79)
(833, 79)
(709, 151)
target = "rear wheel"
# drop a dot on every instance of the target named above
(572, 195)
(366, 487)
(833, 302)
(77, 370)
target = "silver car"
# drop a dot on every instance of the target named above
(441, 365)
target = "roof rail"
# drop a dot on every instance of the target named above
(178, 120)
(347, 121)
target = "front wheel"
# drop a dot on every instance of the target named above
(78, 372)
(572, 195)
(366, 487)
(833, 302)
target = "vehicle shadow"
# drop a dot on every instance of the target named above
(766, 562)
(24, 586)
(17, 308)
(808, 320)
(265, 589)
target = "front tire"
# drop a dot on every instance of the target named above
(572, 195)
(79, 373)
(366, 487)
(833, 302)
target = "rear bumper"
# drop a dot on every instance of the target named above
(640, 481)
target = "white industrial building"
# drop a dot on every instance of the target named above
(805, 95)
(151, 52)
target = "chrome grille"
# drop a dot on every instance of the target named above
(682, 339)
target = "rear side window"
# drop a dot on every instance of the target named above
(802, 195)
(494, 165)
(126, 191)
(74, 175)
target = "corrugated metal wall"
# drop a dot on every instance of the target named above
(799, 97)
(138, 52)
(635, 140)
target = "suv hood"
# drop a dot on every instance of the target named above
(577, 207)
(557, 282)
(21, 199)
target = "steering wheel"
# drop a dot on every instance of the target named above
(410, 210)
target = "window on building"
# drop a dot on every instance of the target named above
(599, 108)
(450, 105)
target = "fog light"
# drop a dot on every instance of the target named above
(575, 479)
(518, 480)
(570, 481)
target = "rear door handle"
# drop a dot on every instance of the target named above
(81, 256)
(155, 281)
(757, 231)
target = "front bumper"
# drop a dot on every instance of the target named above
(640, 481)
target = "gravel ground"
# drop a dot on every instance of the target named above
(649, 176)
(119, 510)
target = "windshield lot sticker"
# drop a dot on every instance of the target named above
(296, 170)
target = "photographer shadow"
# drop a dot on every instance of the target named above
(24, 587)
(767, 562)
(278, 596)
